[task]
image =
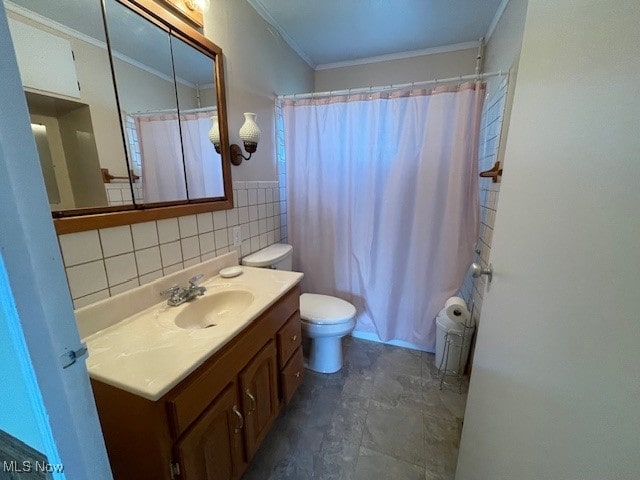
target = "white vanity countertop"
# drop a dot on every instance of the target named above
(147, 354)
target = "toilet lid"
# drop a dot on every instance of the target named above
(324, 310)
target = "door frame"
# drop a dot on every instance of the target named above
(37, 280)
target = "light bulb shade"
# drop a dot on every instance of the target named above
(202, 5)
(250, 132)
(214, 133)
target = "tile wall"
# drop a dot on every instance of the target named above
(119, 193)
(105, 262)
(490, 135)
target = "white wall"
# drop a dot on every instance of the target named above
(503, 47)
(555, 388)
(406, 70)
(259, 66)
(141, 91)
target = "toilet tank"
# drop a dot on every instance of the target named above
(278, 256)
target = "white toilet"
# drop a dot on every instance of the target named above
(325, 319)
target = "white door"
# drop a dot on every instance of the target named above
(555, 389)
(38, 285)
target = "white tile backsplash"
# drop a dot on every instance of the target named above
(113, 260)
(219, 220)
(205, 222)
(86, 278)
(206, 242)
(148, 260)
(123, 287)
(121, 268)
(190, 247)
(221, 238)
(168, 230)
(116, 240)
(232, 217)
(144, 235)
(80, 247)
(170, 253)
(188, 226)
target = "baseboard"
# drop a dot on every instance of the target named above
(398, 343)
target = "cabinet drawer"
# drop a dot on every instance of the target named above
(291, 375)
(288, 339)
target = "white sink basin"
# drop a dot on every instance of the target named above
(214, 310)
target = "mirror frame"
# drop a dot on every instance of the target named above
(103, 217)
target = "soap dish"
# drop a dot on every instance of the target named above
(230, 272)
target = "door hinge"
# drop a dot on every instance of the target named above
(70, 357)
(79, 86)
(174, 467)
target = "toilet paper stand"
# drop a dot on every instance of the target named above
(455, 339)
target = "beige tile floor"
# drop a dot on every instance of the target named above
(383, 416)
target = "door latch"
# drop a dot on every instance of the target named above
(70, 357)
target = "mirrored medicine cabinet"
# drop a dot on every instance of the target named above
(121, 95)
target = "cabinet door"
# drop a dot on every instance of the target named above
(212, 448)
(259, 389)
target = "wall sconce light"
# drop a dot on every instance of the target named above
(249, 134)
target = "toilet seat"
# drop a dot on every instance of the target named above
(325, 310)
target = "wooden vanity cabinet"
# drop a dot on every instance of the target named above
(211, 424)
(212, 448)
(261, 405)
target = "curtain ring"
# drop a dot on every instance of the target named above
(411, 88)
(370, 90)
(349, 94)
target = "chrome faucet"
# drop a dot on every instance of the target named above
(179, 295)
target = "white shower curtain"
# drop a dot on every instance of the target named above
(160, 158)
(163, 173)
(383, 202)
(202, 164)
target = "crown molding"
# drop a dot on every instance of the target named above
(496, 18)
(399, 56)
(58, 27)
(47, 22)
(267, 17)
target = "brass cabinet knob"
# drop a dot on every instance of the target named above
(297, 375)
(294, 338)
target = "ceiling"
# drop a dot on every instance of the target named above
(335, 31)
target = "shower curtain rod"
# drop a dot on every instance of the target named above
(350, 91)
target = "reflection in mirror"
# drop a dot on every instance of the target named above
(194, 72)
(64, 65)
(143, 68)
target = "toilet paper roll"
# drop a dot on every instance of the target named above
(457, 310)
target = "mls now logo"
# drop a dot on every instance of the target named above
(27, 466)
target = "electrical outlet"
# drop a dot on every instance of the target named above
(237, 236)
